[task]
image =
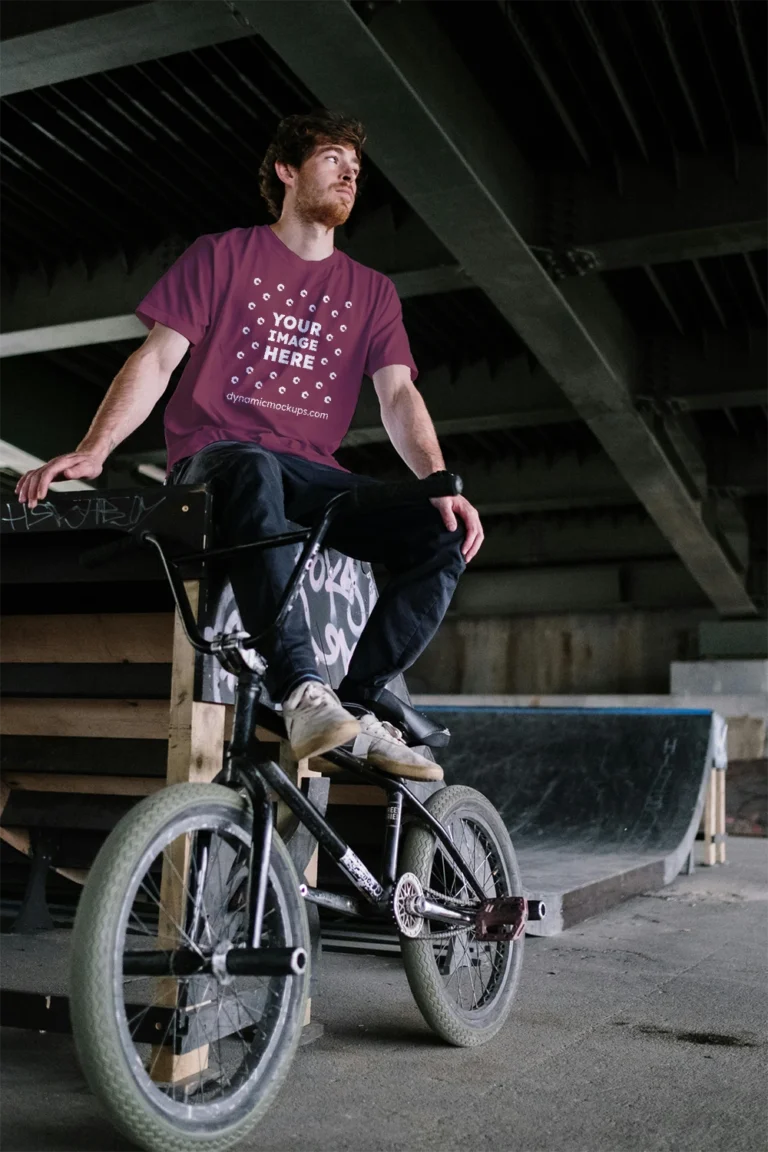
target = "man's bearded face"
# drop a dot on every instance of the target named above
(326, 186)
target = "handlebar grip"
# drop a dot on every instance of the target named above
(95, 557)
(367, 498)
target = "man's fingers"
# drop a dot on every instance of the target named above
(33, 487)
(30, 481)
(475, 547)
(471, 545)
(37, 483)
(475, 536)
(21, 486)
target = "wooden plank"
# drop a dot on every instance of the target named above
(364, 794)
(102, 638)
(195, 752)
(118, 719)
(93, 785)
(720, 825)
(710, 809)
(18, 838)
(166, 1068)
(195, 730)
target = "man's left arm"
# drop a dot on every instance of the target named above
(410, 428)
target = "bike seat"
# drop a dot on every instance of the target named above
(417, 729)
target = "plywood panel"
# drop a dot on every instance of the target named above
(92, 785)
(135, 637)
(116, 719)
(195, 730)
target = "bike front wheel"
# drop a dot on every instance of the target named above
(464, 987)
(184, 1063)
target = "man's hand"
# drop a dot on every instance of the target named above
(449, 508)
(34, 485)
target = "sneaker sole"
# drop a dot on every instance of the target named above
(407, 771)
(328, 740)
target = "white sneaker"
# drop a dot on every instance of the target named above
(382, 744)
(315, 720)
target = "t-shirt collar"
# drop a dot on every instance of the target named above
(296, 262)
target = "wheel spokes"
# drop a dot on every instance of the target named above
(209, 1036)
(471, 968)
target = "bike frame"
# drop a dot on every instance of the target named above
(248, 765)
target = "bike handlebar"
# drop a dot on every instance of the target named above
(370, 498)
(364, 499)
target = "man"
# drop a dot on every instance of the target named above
(282, 327)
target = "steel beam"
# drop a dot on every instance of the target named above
(662, 583)
(435, 137)
(724, 370)
(536, 484)
(94, 306)
(477, 398)
(569, 538)
(589, 224)
(77, 334)
(739, 469)
(128, 36)
(727, 370)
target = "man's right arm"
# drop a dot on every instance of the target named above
(133, 394)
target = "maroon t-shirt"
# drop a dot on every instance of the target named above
(279, 344)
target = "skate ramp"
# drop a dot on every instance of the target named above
(601, 804)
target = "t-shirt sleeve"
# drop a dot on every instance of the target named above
(182, 298)
(389, 341)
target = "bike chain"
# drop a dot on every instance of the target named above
(446, 933)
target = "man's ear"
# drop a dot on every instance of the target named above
(286, 173)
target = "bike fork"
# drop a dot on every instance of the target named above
(248, 691)
(258, 866)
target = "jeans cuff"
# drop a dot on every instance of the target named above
(292, 684)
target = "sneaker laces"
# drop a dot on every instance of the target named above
(374, 727)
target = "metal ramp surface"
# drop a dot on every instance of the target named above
(601, 803)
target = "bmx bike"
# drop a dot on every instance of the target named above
(190, 960)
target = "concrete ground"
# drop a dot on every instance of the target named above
(644, 1030)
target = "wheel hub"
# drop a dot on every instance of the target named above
(408, 891)
(219, 962)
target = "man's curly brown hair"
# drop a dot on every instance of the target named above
(294, 142)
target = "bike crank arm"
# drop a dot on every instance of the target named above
(431, 911)
(224, 963)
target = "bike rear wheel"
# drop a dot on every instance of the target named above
(184, 1062)
(464, 987)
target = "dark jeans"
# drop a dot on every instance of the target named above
(257, 493)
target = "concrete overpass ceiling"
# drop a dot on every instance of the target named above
(640, 190)
(590, 83)
(162, 150)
